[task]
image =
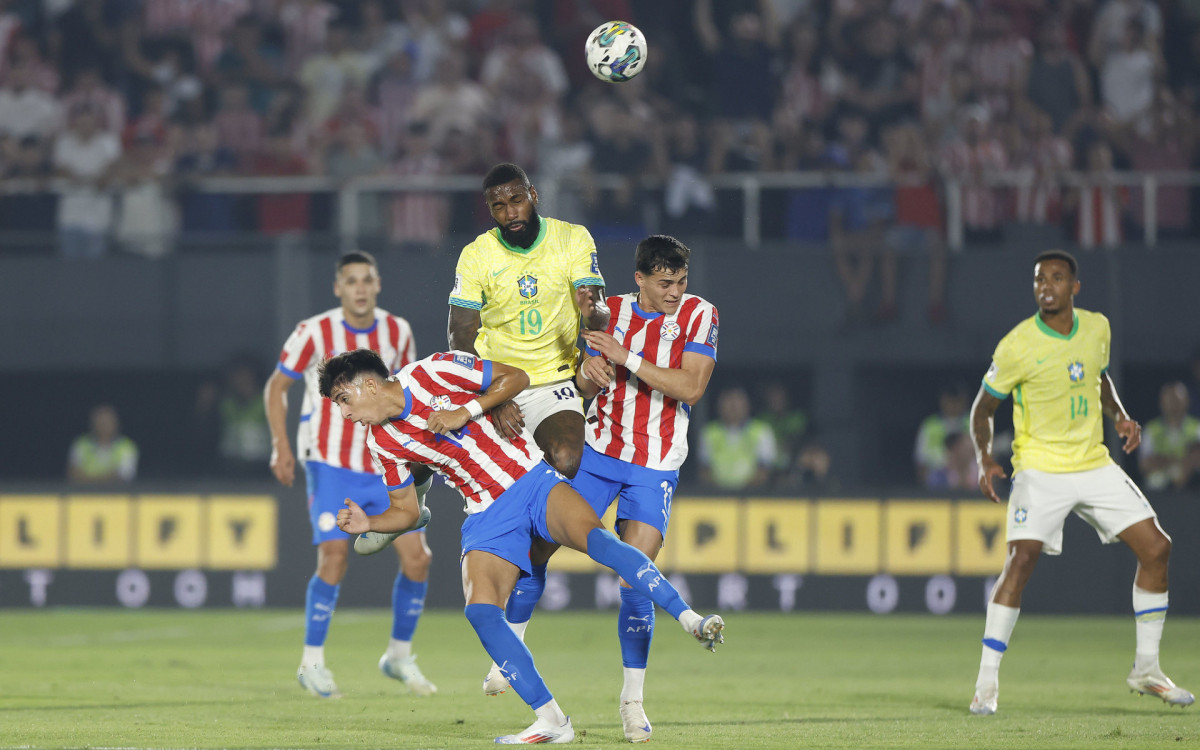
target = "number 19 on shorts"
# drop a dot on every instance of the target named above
(1079, 406)
(531, 322)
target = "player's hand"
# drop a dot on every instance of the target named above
(353, 519)
(283, 465)
(1131, 431)
(448, 420)
(508, 419)
(598, 370)
(585, 303)
(608, 346)
(988, 471)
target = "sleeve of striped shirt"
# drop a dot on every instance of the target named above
(468, 280)
(585, 262)
(406, 344)
(461, 371)
(297, 352)
(702, 333)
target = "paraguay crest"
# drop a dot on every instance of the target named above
(440, 402)
(1075, 371)
(527, 286)
(670, 331)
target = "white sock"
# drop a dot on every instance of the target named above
(313, 656)
(690, 620)
(399, 649)
(1150, 614)
(631, 690)
(997, 629)
(552, 713)
(519, 629)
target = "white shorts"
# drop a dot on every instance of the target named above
(1106, 498)
(540, 401)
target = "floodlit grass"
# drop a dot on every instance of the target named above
(213, 678)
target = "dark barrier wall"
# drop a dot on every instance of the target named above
(210, 546)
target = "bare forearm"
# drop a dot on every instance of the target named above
(462, 328)
(1109, 401)
(275, 403)
(597, 319)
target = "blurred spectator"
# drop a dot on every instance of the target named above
(918, 224)
(25, 110)
(352, 154)
(233, 417)
(623, 149)
(689, 200)
(1166, 457)
(328, 74)
(147, 221)
(1055, 81)
(103, 455)
(788, 426)
(997, 57)
(249, 60)
(434, 31)
(736, 452)
(930, 453)
(1109, 31)
(565, 170)
(84, 156)
(488, 25)
(1127, 76)
(202, 155)
(813, 469)
(970, 158)
(31, 209)
(393, 90)
(89, 90)
(1044, 160)
(452, 100)
(151, 123)
(1164, 141)
(940, 54)
(960, 471)
(305, 27)
(283, 212)
(40, 73)
(239, 128)
(353, 109)
(1100, 204)
(881, 78)
(419, 220)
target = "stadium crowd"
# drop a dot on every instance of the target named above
(130, 101)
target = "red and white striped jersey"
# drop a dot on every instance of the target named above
(476, 459)
(631, 421)
(324, 436)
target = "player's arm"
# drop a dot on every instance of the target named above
(595, 373)
(686, 383)
(405, 513)
(507, 382)
(983, 412)
(1125, 425)
(462, 328)
(283, 460)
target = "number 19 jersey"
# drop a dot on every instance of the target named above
(1055, 384)
(526, 297)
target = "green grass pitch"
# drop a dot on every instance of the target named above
(223, 678)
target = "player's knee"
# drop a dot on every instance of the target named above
(331, 567)
(1157, 553)
(416, 564)
(1023, 560)
(566, 459)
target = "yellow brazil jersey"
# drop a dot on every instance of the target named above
(526, 297)
(1055, 384)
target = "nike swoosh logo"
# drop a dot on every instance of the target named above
(1043, 359)
(502, 270)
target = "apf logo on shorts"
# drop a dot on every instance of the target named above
(1020, 516)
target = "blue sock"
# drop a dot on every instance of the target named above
(408, 602)
(525, 596)
(635, 628)
(639, 571)
(318, 608)
(506, 649)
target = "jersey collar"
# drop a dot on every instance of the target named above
(1041, 324)
(642, 313)
(352, 329)
(407, 407)
(525, 250)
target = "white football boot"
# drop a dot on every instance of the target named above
(637, 726)
(708, 632)
(1154, 682)
(319, 681)
(985, 700)
(495, 682)
(370, 542)
(541, 732)
(407, 671)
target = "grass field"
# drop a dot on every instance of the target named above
(211, 679)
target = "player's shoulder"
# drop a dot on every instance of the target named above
(1092, 319)
(388, 317)
(483, 244)
(314, 321)
(694, 303)
(567, 235)
(1019, 333)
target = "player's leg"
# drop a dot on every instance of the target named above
(325, 489)
(408, 603)
(1117, 509)
(570, 521)
(495, 545)
(1037, 508)
(560, 436)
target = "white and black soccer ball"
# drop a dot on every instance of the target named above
(616, 51)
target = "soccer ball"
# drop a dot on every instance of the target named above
(616, 51)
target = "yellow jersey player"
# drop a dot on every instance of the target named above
(519, 292)
(1055, 366)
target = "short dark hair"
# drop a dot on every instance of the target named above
(356, 256)
(347, 366)
(1062, 255)
(502, 174)
(661, 252)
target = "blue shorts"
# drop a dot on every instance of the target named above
(645, 493)
(328, 488)
(507, 527)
